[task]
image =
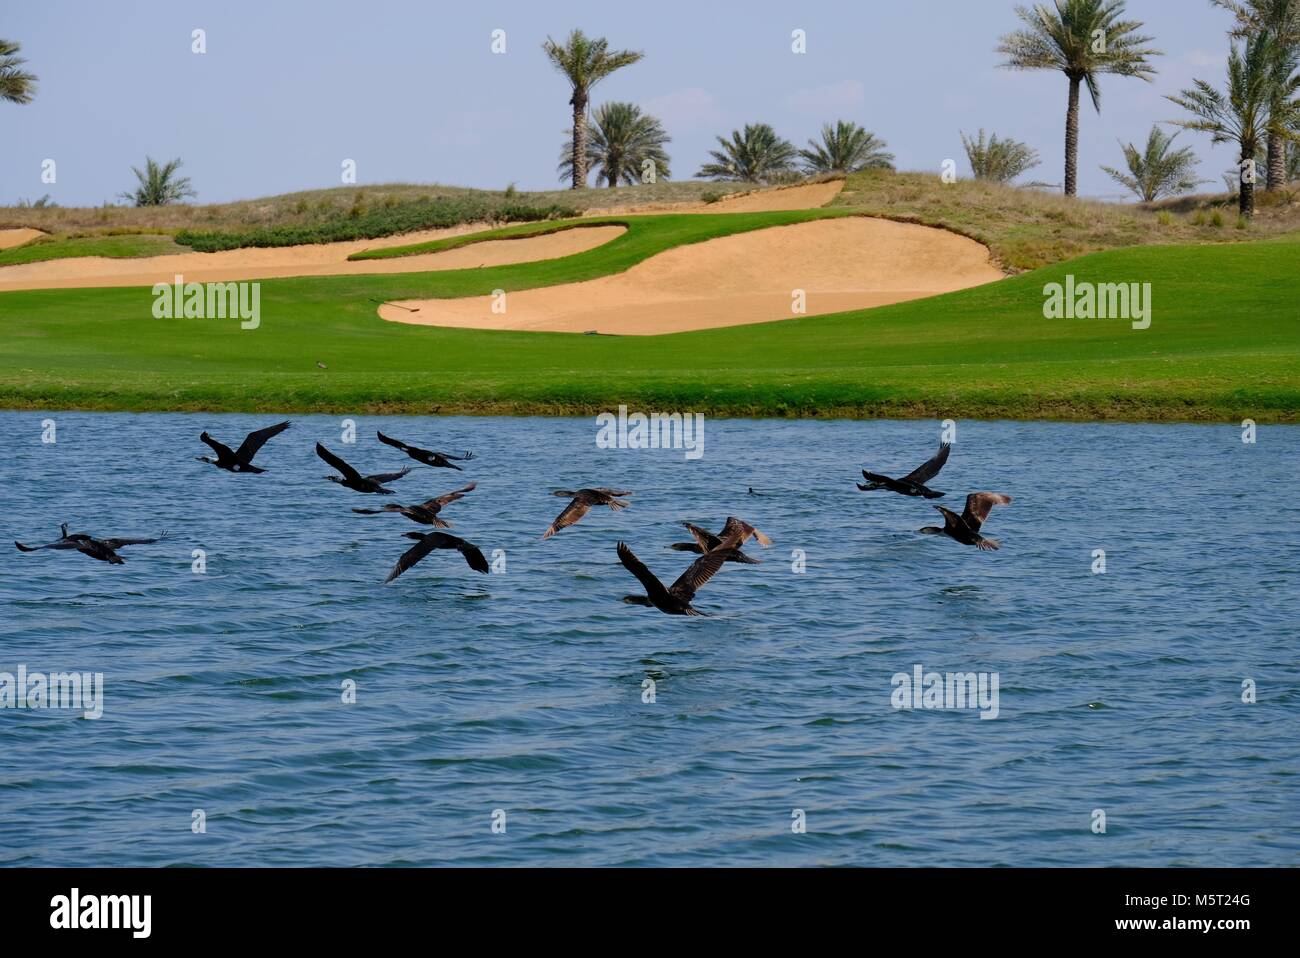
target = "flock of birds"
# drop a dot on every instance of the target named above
(713, 551)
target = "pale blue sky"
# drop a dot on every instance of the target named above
(411, 91)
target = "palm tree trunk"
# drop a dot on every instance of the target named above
(579, 102)
(1246, 195)
(1072, 140)
(1276, 163)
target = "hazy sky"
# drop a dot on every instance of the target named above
(411, 91)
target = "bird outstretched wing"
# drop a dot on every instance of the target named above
(382, 477)
(118, 543)
(742, 530)
(447, 497)
(928, 470)
(347, 471)
(699, 572)
(220, 448)
(649, 581)
(575, 510)
(978, 506)
(705, 539)
(256, 440)
(396, 443)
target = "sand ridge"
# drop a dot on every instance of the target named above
(9, 238)
(322, 259)
(851, 262)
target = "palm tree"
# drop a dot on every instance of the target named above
(756, 155)
(999, 160)
(1159, 170)
(585, 61)
(621, 139)
(16, 85)
(1083, 39)
(1257, 101)
(846, 148)
(156, 186)
(1282, 19)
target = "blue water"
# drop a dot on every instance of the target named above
(522, 691)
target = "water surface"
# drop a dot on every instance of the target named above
(522, 691)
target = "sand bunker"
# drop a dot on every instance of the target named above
(17, 237)
(324, 259)
(808, 196)
(840, 264)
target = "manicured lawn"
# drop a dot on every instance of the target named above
(1224, 344)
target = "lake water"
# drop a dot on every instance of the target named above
(523, 691)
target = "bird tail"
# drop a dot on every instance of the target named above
(617, 504)
(685, 547)
(23, 548)
(933, 494)
(743, 558)
(440, 523)
(989, 545)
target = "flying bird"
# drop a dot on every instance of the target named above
(353, 479)
(425, 512)
(426, 456)
(914, 483)
(241, 460)
(105, 550)
(676, 599)
(428, 541)
(706, 540)
(582, 502)
(965, 528)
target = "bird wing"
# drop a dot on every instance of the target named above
(396, 443)
(382, 477)
(220, 448)
(978, 506)
(649, 581)
(699, 572)
(924, 473)
(473, 555)
(447, 497)
(118, 543)
(950, 519)
(703, 537)
(575, 510)
(64, 543)
(347, 471)
(742, 529)
(256, 440)
(413, 555)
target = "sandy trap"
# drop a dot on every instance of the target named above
(10, 238)
(324, 259)
(840, 264)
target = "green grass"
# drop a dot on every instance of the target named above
(117, 246)
(1224, 345)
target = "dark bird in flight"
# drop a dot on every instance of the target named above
(965, 528)
(582, 502)
(105, 550)
(914, 483)
(353, 479)
(706, 541)
(426, 456)
(425, 512)
(241, 460)
(676, 599)
(428, 541)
